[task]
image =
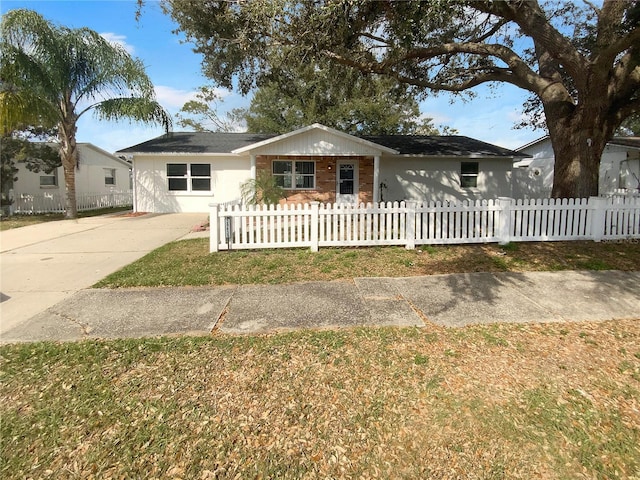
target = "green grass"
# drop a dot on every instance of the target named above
(18, 221)
(362, 403)
(190, 263)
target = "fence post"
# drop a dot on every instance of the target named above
(410, 225)
(315, 218)
(598, 207)
(504, 220)
(12, 205)
(214, 227)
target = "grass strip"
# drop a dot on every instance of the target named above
(552, 401)
(189, 262)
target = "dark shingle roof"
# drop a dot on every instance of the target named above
(441, 146)
(206, 142)
(197, 142)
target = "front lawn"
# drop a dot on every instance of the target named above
(190, 263)
(556, 401)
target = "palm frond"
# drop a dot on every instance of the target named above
(133, 109)
(20, 107)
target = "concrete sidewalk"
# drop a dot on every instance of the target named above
(42, 264)
(446, 300)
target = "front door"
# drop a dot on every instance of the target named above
(347, 182)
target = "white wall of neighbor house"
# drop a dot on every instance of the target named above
(98, 172)
(619, 169)
(151, 180)
(417, 178)
(535, 180)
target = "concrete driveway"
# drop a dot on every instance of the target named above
(43, 264)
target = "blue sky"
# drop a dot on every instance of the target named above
(175, 71)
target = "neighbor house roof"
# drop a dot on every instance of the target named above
(631, 142)
(207, 142)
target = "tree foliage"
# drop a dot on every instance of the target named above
(338, 97)
(52, 75)
(201, 113)
(581, 61)
(631, 126)
(333, 95)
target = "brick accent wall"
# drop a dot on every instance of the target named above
(365, 178)
(325, 190)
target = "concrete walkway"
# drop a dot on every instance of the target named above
(446, 300)
(42, 264)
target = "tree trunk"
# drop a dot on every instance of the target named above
(577, 162)
(69, 158)
(578, 135)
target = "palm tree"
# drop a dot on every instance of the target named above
(53, 75)
(262, 190)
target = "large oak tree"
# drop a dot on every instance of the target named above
(52, 75)
(579, 61)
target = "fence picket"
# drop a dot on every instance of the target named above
(469, 221)
(28, 204)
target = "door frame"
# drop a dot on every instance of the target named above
(355, 196)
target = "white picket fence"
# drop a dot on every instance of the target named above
(28, 204)
(501, 220)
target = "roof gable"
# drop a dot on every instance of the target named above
(315, 139)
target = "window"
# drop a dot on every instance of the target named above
(469, 174)
(189, 177)
(49, 179)
(290, 174)
(200, 177)
(109, 176)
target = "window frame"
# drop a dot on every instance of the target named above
(293, 174)
(190, 178)
(466, 176)
(112, 171)
(53, 175)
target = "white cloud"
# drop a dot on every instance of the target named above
(437, 118)
(118, 40)
(170, 97)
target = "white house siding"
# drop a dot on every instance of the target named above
(619, 169)
(90, 175)
(152, 194)
(417, 178)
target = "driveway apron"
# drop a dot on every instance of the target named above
(46, 263)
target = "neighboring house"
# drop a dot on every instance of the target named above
(98, 172)
(185, 172)
(619, 168)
